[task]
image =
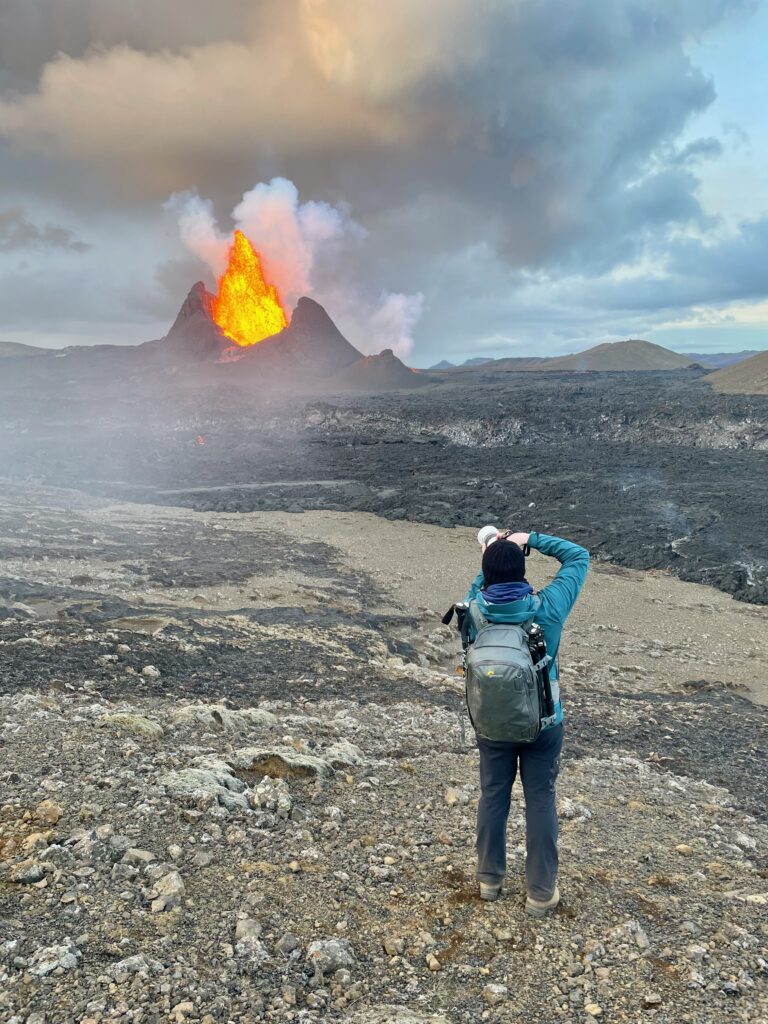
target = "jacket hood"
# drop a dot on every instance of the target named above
(509, 611)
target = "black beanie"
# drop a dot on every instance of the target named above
(503, 562)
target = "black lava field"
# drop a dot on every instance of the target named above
(649, 470)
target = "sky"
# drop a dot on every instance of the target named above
(450, 178)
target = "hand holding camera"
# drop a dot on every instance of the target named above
(488, 534)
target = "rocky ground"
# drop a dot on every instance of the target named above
(649, 470)
(237, 782)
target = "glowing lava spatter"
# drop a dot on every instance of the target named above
(247, 308)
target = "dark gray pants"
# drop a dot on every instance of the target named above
(539, 765)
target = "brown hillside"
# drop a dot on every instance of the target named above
(749, 377)
(619, 356)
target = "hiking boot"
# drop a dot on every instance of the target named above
(489, 892)
(540, 908)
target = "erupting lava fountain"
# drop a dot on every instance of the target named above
(247, 308)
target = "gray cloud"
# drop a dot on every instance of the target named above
(700, 149)
(482, 143)
(17, 232)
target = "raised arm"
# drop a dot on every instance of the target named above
(559, 596)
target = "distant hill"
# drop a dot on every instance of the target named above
(382, 372)
(718, 360)
(495, 365)
(13, 349)
(749, 377)
(468, 364)
(618, 356)
(516, 363)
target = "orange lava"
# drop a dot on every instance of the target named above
(247, 308)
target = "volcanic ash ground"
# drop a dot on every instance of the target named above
(238, 783)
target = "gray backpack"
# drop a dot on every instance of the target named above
(503, 688)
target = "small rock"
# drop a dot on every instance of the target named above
(744, 841)
(182, 1010)
(272, 795)
(696, 952)
(27, 873)
(48, 813)
(328, 955)
(593, 1009)
(168, 892)
(252, 950)
(433, 963)
(651, 999)
(138, 858)
(247, 928)
(494, 995)
(394, 945)
(150, 672)
(135, 965)
(573, 811)
(287, 943)
(47, 959)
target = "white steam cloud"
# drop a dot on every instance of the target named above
(294, 239)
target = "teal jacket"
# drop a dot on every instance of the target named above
(557, 599)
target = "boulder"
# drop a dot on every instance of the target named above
(217, 718)
(343, 754)
(133, 725)
(279, 763)
(208, 782)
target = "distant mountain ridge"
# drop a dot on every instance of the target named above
(618, 356)
(444, 364)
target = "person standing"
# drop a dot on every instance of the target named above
(501, 594)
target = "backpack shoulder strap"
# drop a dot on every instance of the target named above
(537, 604)
(473, 620)
(477, 617)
